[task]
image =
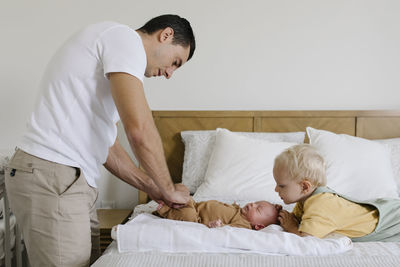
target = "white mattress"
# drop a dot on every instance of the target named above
(363, 254)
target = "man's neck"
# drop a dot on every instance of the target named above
(145, 40)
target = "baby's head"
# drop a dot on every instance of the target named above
(261, 214)
(298, 171)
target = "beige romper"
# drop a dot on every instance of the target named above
(205, 212)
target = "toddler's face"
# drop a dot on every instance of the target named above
(261, 213)
(288, 189)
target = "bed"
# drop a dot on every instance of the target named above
(324, 128)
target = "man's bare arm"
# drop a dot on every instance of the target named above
(121, 165)
(142, 134)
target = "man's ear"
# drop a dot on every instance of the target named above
(166, 34)
(306, 186)
(258, 226)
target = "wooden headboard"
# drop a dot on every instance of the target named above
(371, 124)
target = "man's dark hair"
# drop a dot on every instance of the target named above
(183, 33)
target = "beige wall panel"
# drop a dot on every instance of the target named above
(370, 124)
(337, 125)
(378, 128)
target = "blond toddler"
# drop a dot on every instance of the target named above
(299, 173)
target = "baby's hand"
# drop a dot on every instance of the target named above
(216, 223)
(278, 207)
(160, 205)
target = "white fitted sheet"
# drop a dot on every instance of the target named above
(369, 254)
(363, 254)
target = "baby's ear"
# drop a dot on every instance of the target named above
(258, 227)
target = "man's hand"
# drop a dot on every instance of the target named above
(288, 221)
(155, 194)
(215, 224)
(179, 198)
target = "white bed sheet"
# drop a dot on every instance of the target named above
(369, 254)
(363, 254)
(177, 236)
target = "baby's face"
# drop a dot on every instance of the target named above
(261, 213)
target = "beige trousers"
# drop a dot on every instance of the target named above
(55, 208)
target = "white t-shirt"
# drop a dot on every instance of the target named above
(74, 122)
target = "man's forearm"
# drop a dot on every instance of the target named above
(140, 129)
(121, 165)
(147, 147)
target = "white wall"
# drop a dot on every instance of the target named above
(260, 54)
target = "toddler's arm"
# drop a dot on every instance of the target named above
(289, 223)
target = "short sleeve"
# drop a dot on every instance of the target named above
(121, 50)
(317, 219)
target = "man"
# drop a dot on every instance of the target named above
(92, 82)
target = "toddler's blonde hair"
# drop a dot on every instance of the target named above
(303, 162)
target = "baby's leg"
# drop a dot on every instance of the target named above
(187, 213)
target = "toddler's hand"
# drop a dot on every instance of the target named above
(214, 224)
(288, 221)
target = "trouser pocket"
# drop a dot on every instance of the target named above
(52, 203)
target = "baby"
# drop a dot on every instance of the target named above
(212, 213)
(300, 178)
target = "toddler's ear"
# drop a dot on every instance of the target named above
(258, 227)
(306, 186)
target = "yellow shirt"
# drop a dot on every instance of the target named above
(324, 213)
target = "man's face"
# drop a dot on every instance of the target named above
(165, 59)
(289, 190)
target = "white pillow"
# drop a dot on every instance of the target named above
(240, 168)
(356, 167)
(394, 146)
(199, 146)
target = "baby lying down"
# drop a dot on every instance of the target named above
(212, 213)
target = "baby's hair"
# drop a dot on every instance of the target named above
(303, 162)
